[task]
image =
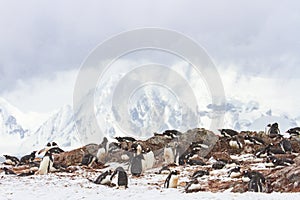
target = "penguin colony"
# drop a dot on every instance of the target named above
(274, 152)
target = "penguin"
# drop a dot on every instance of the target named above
(54, 148)
(235, 143)
(271, 150)
(8, 171)
(125, 139)
(193, 186)
(103, 150)
(253, 140)
(235, 172)
(46, 164)
(255, 184)
(273, 161)
(136, 167)
(273, 130)
(164, 170)
(218, 165)
(88, 160)
(172, 180)
(42, 152)
(228, 132)
(248, 175)
(11, 160)
(200, 173)
(28, 173)
(103, 179)
(294, 131)
(28, 158)
(171, 134)
(121, 176)
(195, 162)
(169, 156)
(286, 146)
(149, 159)
(262, 152)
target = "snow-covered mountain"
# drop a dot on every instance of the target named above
(60, 126)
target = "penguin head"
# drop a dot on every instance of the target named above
(175, 172)
(33, 153)
(54, 144)
(48, 144)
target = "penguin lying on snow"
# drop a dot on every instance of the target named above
(172, 180)
(11, 160)
(46, 164)
(193, 186)
(103, 179)
(121, 177)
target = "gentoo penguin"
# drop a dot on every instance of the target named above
(262, 152)
(88, 160)
(28, 158)
(121, 176)
(253, 140)
(103, 150)
(54, 149)
(235, 143)
(103, 179)
(136, 167)
(294, 131)
(169, 156)
(171, 134)
(46, 164)
(248, 175)
(11, 160)
(235, 172)
(286, 146)
(8, 171)
(149, 159)
(272, 161)
(164, 170)
(125, 139)
(172, 180)
(228, 132)
(200, 173)
(271, 150)
(255, 184)
(193, 186)
(28, 173)
(218, 165)
(273, 130)
(195, 162)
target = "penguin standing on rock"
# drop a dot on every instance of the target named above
(235, 143)
(121, 176)
(294, 131)
(172, 180)
(273, 131)
(46, 164)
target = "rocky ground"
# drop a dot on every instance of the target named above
(70, 181)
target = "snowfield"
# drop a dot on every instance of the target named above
(76, 186)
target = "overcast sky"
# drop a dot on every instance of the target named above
(42, 45)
